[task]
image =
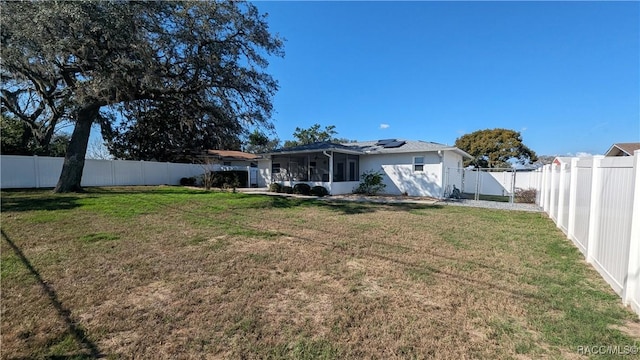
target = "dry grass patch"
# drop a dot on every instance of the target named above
(168, 272)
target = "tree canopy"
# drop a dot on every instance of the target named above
(495, 148)
(312, 135)
(190, 67)
(259, 142)
(18, 139)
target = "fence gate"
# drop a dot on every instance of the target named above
(493, 184)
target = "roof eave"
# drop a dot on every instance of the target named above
(343, 151)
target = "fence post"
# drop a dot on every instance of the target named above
(552, 198)
(113, 172)
(561, 191)
(594, 208)
(542, 187)
(632, 280)
(547, 190)
(573, 190)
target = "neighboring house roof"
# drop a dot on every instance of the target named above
(622, 149)
(388, 146)
(232, 155)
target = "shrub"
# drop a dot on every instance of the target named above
(370, 184)
(525, 196)
(188, 181)
(302, 189)
(225, 179)
(275, 187)
(319, 191)
(287, 189)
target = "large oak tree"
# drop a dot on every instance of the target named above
(495, 148)
(81, 60)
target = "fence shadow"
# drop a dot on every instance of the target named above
(65, 314)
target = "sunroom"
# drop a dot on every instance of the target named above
(334, 166)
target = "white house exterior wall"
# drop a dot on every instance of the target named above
(399, 176)
(264, 172)
(452, 169)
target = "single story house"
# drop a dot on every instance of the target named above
(415, 168)
(231, 158)
(622, 149)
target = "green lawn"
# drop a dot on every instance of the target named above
(168, 272)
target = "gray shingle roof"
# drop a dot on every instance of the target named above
(319, 146)
(370, 147)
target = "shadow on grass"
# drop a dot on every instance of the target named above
(33, 203)
(73, 328)
(346, 207)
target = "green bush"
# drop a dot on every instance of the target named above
(319, 191)
(275, 187)
(188, 181)
(302, 189)
(287, 189)
(370, 183)
(225, 179)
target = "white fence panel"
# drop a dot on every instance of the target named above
(16, 172)
(127, 173)
(582, 204)
(155, 173)
(600, 212)
(97, 173)
(615, 223)
(41, 171)
(528, 179)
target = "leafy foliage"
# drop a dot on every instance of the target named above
(258, 142)
(370, 183)
(495, 148)
(154, 62)
(302, 189)
(319, 190)
(146, 135)
(18, 139)
(275, 187)
(312, 135)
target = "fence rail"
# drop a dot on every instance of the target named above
(595, 201)
(43, 172)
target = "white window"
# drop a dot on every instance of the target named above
(418, 163)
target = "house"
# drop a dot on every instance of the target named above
(622, 149)
(415, 168)
(232, 160)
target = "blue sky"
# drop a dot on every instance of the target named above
(564, 74)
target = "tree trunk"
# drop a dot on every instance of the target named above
(71, 175)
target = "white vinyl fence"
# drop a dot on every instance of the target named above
(595, 201)
(43, 172)
(484, 182)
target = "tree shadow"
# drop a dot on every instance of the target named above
(32, 203)
(73, 328)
